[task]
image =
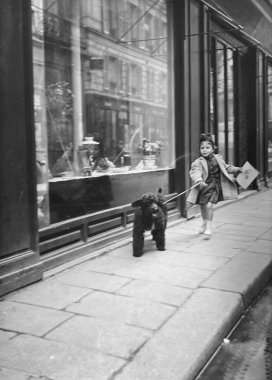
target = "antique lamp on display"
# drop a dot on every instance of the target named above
(89, 143)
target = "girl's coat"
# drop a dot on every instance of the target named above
(199, 172)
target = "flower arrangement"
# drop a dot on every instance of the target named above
(150, 147)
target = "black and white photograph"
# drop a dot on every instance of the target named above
(136, 190)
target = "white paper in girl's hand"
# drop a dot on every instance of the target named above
(249, 174)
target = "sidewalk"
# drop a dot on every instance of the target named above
(157, 317)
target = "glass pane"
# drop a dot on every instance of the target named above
(42, 164)
(221, 99)
(230, 107)
(261, 115)
(212, 88)
(270, 118)
(101, 100)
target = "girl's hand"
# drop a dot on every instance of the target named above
(202, 185)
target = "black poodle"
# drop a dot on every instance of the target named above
(150, 214)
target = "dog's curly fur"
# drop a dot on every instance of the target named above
(150, 214)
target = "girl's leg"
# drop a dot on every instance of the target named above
(209, 213)
(204, 217)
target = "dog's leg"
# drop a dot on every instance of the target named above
(138, 242)
(153, 233)
(159, 238)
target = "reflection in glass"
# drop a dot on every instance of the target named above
(230, 107)
(101, 72)
(42, 166)
(221, 99)
(212, 113)
(269, 117)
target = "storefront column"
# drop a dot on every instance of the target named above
(177, 14)
(77, 84)
(19, 257)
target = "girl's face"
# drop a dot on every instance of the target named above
(206, 148)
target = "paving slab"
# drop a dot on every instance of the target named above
(107, 264)
(226, 252)
(228, 218)
(49, 294)
(133, 311)
(5, 335)
(258, 222)
(241, 232)
(217, 243)
(91, 280)
(24, 318)
(190, 260)
(267, 235)
(56, 360)
(248, 210)
(261, 246)
(166, 274)
(8, 374)
(109, 337)
(185, 342)
(227, 235)
(153, 291)
(177, 245)
(246, 273)
(242, 227)
(183, 237)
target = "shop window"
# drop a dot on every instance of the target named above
(113, 74)
(269, 89)
(261, 115)
(162, 88)
(101, 96)
(230, 106)
(134, 16)
(142, 37)
(150, 85)
(150, 32)
(122, 19)
(134, 80)
(221, 99)
(221, 86)
(140, 81)
(110, 18)
(91, 14)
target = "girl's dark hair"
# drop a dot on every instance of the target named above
(207, 137)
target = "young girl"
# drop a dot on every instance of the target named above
(215, 184)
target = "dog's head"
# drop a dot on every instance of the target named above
(151, 204)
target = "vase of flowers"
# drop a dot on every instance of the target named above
(150, 150)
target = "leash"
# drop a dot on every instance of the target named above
(181, 193)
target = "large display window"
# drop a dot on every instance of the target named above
(101, 102)
(269, 89)
(222, 121)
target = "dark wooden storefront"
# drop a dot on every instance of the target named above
(19, 253)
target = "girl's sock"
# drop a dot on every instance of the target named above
(203, 227)
(208, 230)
